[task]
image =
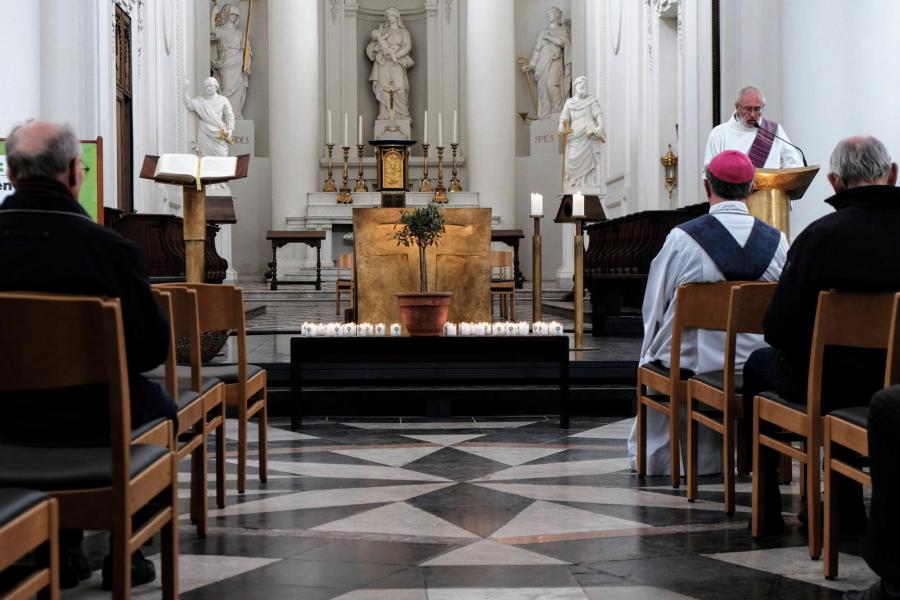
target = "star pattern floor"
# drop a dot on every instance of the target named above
(500, 508)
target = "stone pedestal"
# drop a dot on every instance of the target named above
(393, 129)
(544, 137)
(244, 138)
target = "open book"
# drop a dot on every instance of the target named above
(189, 168)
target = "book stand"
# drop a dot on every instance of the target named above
(194, 208)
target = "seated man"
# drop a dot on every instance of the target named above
(884, 520)
(855, 248)
(49, 244)
(704, 250)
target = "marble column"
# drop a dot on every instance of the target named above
(294, 109)
(22, 99)
(490, 108)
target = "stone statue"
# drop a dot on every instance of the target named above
(551, 62)
(228, 64)
(585, 137)
(389, 51)
(216, 119)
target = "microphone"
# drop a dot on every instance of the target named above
(803, 156)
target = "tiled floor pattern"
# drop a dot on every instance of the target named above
(502, 508)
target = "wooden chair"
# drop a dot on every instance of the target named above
(846, 429)
(853, 319)
(503, 283)
(96, 487)
(698, 305)
(221, 307)
(348, 285)
(29, 521)
(721, 390)
(195, 399)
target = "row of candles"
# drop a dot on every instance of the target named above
(359, 129)
(537, 205)
(484, 328)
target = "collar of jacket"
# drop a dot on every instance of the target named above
(870, 196)
(40, 193)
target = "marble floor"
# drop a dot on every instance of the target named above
(489, 508)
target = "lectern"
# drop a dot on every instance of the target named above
(773, 188)
(194, 207)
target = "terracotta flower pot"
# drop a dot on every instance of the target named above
(424, 313)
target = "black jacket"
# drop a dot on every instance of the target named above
(856, 248)
(49, 244)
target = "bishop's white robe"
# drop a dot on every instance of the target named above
(733, 135)
(681, 261)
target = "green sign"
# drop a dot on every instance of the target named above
(90, 195)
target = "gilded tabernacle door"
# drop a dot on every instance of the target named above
(459, 263)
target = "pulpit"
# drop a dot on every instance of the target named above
(773, 188)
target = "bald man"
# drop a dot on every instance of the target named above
(49, 244)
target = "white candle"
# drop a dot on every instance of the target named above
(359, 138)
(425, 130)
(440, 130)
(349, 330)
(465, 328)
(578, 205)
(455, 128)
(537, 205)
(345, 130)
(379, 329)
(523, 327)
(328, 128)
(395, 329)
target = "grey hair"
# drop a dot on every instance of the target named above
(749, 88)
(860, 159)
(49, 161)
(726, 190)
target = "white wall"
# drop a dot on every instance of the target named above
(20, 28)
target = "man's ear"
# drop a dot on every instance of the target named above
(836, 183)
(708, 189)
(72, 172)
(892, 177)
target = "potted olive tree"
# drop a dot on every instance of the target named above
(422, 312)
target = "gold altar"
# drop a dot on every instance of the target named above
(459, 263)
(772, 190)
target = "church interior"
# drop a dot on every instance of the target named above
(405, 254)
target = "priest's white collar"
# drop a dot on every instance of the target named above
(729, 206)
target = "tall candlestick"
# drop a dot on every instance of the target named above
(328, 132)
(425, 130)
(440, 130)
(578, 205)
(346, 144)
(537, 205)
(455, 127)
(359, 138)
(454, 180)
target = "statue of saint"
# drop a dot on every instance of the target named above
(389, 51)
(216, 119)
(551, 62)
(585, 136)
(228, 64)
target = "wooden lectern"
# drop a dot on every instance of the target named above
(194, 209)
(773, 188)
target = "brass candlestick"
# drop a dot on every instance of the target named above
(440, 192)
(329, 181)
(425, 186)
(344, 196)
(454, 180)
(536, 268)
(579, 284)
(360, 182)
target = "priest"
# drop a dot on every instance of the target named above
(748, 132)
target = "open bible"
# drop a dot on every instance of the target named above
(189, 168)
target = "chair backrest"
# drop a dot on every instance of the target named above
(892, 370)
(502, 263)
(164, 302)
(56, 341)
(853, 319)
(746, 312)
(699, 306)
(186, 324)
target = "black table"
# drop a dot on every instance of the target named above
(282, 238)
(511, 237)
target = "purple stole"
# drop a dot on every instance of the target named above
(762, 144)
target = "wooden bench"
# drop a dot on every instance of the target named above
(283, 238)
(362, 363)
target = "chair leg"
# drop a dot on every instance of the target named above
(51, 590)
(512, 306)
(242, 448)
(337, 299)
(199, 485)
(220, 460)
(263, 422)
(674, 440)
(728, 450)
(785, 470)
(121, 562)
(758, 510)
(830, 545)
(168, 545)
(813, 502)
(693, 450)
(641, 433)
